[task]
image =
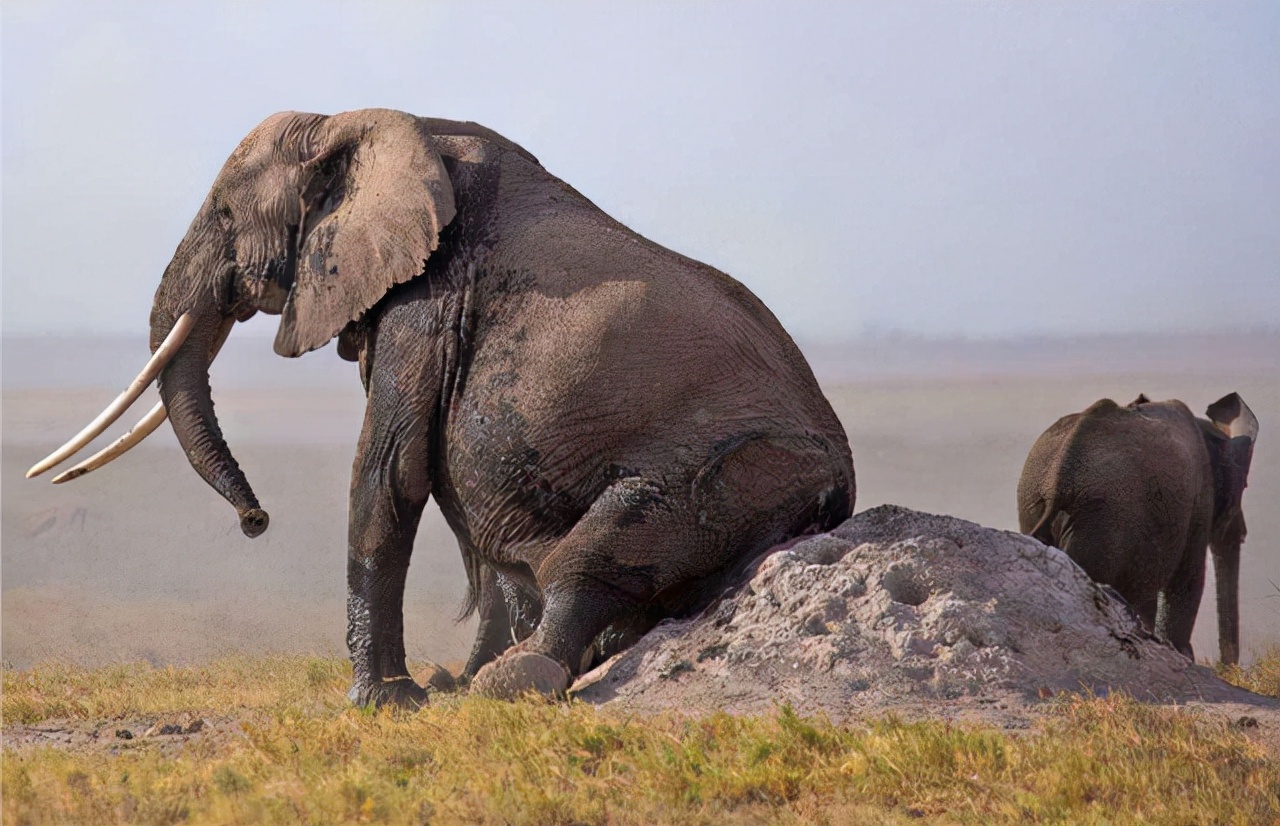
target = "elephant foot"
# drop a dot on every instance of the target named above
(518, 673)
(399, 691)
(437, 678)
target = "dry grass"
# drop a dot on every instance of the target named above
(1262, 677)
(306, 756)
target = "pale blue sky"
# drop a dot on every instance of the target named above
(978, 169)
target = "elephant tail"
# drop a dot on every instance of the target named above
(1043, 530)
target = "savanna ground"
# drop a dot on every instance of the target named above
(278, 742)
(136, 583)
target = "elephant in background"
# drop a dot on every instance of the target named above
(1135, 494)
(608, 427)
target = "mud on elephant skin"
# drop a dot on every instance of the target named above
(607, 426)
(1136, 494)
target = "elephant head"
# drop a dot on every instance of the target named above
(313, 218)
(1230, 434)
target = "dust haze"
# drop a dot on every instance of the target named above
(141, 560)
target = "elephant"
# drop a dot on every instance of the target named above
(1135, 494)
(609, 428)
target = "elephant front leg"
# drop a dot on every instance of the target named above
(1179, 601)
(389, 488)
(375, 632)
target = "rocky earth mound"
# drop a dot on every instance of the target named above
(921, 614)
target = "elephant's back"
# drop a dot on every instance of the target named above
(558, 268)
(670, 330)
(1138, 471)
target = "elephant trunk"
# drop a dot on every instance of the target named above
(184, 389)
(1226, 568)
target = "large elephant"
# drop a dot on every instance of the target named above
(1135, 494)
(608, 427)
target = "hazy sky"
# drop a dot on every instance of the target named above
(943, 169)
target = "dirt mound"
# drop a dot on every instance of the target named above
(902, 610)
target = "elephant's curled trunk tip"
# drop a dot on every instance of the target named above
(254, 522)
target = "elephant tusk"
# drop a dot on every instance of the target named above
(119, 447)
(163, 354)
(144, 428)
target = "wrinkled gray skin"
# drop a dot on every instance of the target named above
(608, 427)
(1135, 494)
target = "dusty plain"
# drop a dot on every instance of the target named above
(161, 668)
(141, 561)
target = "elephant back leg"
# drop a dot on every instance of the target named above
(1180, 598)
(1084, 535)
(509, 611)
(601, 572)
(759, 491)
(640, 542)
(1112, 549)
(1144, 559)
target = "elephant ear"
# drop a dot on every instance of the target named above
(374, 197)
(1233, 417)
(1236, 422)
